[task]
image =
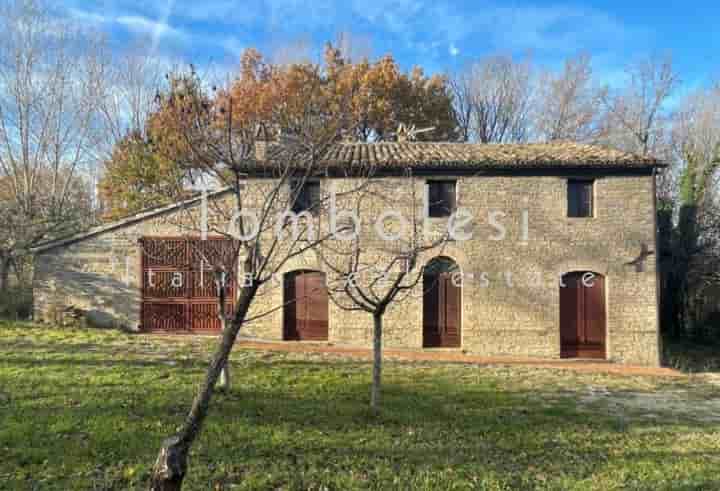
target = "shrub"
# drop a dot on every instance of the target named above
(16, 303)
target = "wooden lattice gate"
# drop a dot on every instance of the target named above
(179, 289)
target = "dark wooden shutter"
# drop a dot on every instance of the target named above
(313, 198)
(586, 198)
(568, 312)
(441, 198)
(573, 199)
(434, 199)
(431, 337)
(582, 316)
(594, 312)
(290, 320)
(307, 196)
(441, 311)
(452, 299)
(450, 197)
(431, 312)
(305, 306)
(316, 314)
(298, 197)
(580, 198)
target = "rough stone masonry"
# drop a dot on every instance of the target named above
(510, 293)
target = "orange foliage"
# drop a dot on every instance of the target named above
(377, 96)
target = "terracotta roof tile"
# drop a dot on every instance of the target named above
(463, 155)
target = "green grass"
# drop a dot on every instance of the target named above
(88, 409)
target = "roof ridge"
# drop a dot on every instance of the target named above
(565, 153)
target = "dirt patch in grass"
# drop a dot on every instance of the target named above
(584, 366)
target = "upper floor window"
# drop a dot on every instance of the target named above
(306, 196)
(580, 198)
(441, 198)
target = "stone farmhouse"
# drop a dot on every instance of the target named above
(574, 277)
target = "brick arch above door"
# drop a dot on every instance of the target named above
(570, 265)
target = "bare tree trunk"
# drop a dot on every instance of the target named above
(377, 363)
(4, 274)
(224, 382)
(171, 464)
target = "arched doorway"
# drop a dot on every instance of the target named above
(583, 321)
(305, 311)
(442, 304)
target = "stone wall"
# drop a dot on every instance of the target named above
(510, 290)
(101, 274)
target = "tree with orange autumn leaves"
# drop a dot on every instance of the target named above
(154, 166)
(382, 97)
(380, 94)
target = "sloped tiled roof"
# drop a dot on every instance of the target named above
(123, 222)
(490, 156)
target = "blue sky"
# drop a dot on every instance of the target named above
(437, 35)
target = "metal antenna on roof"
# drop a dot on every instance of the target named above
(409, 133)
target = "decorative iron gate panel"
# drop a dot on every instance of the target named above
(179, 288)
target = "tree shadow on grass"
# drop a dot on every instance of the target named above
(426, 430)
(692, 356)
(304, 423)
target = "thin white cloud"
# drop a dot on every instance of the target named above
(428, 27)
(228, 11)
(553, 29)
(143, 25)
(86, 17)
(547, 28)
(138, 24)
(161, 26)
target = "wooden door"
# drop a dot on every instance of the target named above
(179, 290)
(441, 311)
(582, 316)
(305, 306)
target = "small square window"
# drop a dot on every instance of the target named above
(580, 198)
(441, 198)
(306, 196)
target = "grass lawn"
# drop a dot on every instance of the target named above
(88, 409)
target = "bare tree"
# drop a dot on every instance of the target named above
(354, 47)
(377, 266)
(567, 106)
(493, 99)
(461, 88)
(261, 180)
(696, 126)
(690, 217)
(50, 77)
(636, 114)
(132, 83)
(636, 119)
